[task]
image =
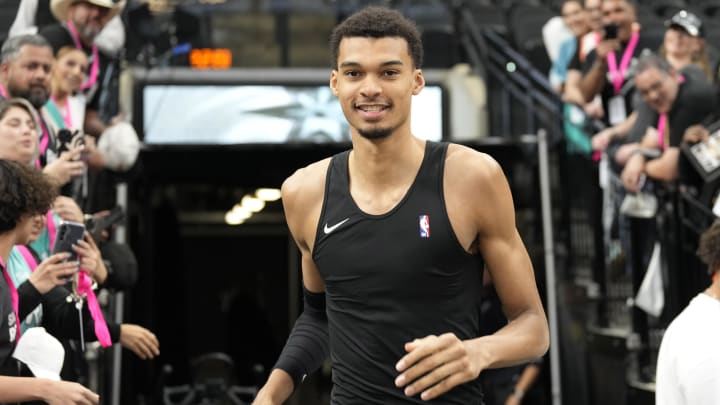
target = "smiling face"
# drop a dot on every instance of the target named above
(620, 13)
(375, 81)
(69, 71)
(574, 17)
(18, 135)
(657, 88)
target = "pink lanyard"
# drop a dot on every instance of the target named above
(66, 114)
(95, 68)
(51, 229)
(29, 258)
(662, 121)
(617, 73)
(3, 92)
(84, 287)
(13, 296)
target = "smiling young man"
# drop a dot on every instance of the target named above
(393, 236)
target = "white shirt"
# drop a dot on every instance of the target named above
(688, 368)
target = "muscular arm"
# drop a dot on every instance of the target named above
(526, 335)
(592, 82)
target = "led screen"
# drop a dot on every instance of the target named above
(262, 113)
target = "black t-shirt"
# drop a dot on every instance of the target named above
(628, 88)
(695, 101)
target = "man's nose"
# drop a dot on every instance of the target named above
(371, 86)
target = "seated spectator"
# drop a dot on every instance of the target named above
(682, 45)
(608, 69)
(585, 44)
(24, 193)
(574, 19)
(688, 365)
(672, 101)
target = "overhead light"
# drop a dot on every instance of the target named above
(268, 194)
(252, 204)
(241, 211)
(233, 217)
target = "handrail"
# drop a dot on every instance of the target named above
(496, 61)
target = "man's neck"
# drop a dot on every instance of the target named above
(386, 160)
(7, 241)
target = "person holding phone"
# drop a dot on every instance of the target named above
(608, 69)
(24, 193)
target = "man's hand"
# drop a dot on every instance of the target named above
(67, 166)
(52, 271)
(601, 140)
(436, 364)
(140, 340)
(634, 169)
(695, 134)
(606, 46)
(67, 209)
(69, 393)
(276, 390)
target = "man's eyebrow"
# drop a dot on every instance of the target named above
(384, 64)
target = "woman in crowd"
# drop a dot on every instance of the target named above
(42, 299)
(24, 193)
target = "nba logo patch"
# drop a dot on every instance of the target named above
(424, 226)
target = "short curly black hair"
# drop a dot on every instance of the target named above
(378, 22)
(24, 190)
(709, 247)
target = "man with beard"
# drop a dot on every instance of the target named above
(393, 236)
(25, 64)
(80, 22)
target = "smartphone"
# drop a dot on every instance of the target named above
(611, 31)
(67, 235)
(96, 225)
(69, 139)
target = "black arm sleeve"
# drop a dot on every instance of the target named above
(28, 298)
(307, 346)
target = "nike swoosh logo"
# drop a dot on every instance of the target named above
(329, 229)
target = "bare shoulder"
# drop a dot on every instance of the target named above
(470, 168)
(302, 195)
(477, 195)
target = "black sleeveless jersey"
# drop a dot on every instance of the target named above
(392, 278)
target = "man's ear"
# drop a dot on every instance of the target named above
(333, 82)
(418, 82)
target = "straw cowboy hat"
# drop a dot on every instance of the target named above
(59, 8)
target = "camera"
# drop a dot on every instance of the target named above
(611, 31)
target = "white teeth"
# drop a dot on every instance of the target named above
(371, 108)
